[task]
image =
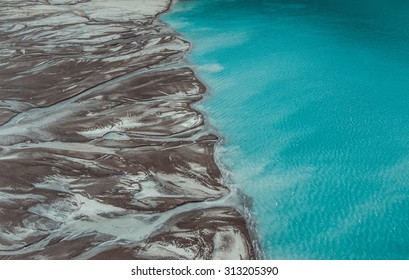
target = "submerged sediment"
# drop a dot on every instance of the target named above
(101, 155)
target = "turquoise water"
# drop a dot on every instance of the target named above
(312, 100)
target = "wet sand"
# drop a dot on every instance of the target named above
(101, 154)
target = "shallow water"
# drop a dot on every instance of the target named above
(312, 99)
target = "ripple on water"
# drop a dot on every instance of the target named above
(312, 102)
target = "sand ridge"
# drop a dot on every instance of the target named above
(101, 155)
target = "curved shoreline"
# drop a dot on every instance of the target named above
(244, 202)
(115, 163)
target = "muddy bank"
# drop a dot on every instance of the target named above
(101, 155)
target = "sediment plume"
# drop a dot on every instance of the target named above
(101, 154)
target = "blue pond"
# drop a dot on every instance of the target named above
(312, 101)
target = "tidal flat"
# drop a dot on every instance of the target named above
(101, 154)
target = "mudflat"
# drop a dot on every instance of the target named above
(101, 154)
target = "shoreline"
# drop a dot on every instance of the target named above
(243, 202)
(117, 162)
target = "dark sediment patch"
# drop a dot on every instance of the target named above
(101, 155)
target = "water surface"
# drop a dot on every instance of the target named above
(312, 100)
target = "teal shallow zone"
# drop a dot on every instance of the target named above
(312, 100)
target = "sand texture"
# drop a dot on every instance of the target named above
(101, 155)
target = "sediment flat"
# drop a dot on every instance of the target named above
(101, 154)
